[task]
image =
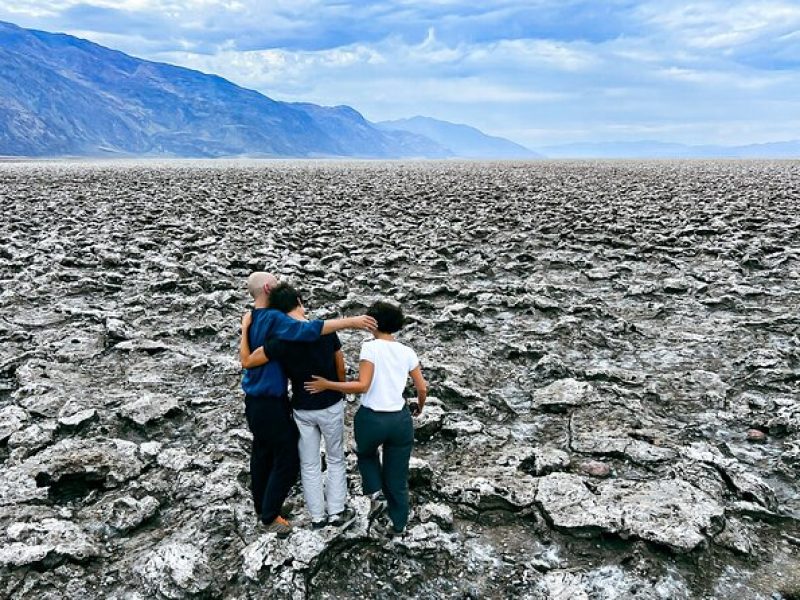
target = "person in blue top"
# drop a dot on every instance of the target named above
(274, 462)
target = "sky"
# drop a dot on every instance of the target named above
(539, 72)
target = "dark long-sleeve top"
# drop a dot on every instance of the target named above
(267, 323)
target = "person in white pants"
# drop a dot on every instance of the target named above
(327, 423)
(317, 416)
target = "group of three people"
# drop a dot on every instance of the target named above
(278, 341)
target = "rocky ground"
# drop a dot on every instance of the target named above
(612, 348)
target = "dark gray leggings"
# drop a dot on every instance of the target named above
(394, 431)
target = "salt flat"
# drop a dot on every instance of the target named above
(601, 339)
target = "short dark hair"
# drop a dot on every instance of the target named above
(284, 298)
(389, 317)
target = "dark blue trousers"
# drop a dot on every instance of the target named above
(393, 432)
(274, 461)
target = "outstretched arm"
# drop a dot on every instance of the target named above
(360, 322)
(247, 358)
(292, 330)
(365, 372)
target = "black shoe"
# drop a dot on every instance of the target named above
(377, 505)
(386, 527)
(319, 524)
(342, 518)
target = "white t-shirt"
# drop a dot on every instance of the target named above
(393, 362)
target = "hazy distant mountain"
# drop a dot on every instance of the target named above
(653, 149)
(60, 95)
(463, 140)
(364, 138)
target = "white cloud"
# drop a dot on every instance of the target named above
(723, 24)
(534, 70)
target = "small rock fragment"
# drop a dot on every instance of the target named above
(149, 408)
(595, 468)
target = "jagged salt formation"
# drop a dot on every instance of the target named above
(613, 352)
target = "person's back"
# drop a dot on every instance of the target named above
(383, 421)
(270, 379)
(316, 415)
(302, 360)
(274, 456)
(392, 362)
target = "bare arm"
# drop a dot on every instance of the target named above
(362, 322)
(365, 372)
(247, 358)
(340, 368)
(421, 386)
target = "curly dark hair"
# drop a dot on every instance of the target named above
(389, 317)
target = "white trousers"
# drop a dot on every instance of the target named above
(328, 423)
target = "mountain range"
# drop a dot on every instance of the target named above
(464, 141)
(65, 96)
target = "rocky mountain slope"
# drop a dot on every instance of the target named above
(612, 350)
(60, 95)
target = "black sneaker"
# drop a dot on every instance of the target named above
(386, 527)
(377, 505)
(319, 524)
(342, 518)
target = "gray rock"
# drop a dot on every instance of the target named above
(617, 431)
(736, 536)
(17, 486)
(607, 583)
(142, 345)
(175, 459)
(117, 329)
(270, 553)
(175, 570)
(47, 541)
(746, 484)
(457, 425)
(127, 513)
(74, 416)
(427, 424)
(149, 408)
(419, 472)
(548, 460)
(563, 394)
(668, 512)
(33, 437)
(111, 461)
(12, 419)
(441, 514)
(150, 450)
(783, 420)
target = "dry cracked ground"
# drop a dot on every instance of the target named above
(612, 350)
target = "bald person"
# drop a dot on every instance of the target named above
(274, 461)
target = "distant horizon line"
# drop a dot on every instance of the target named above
(10, 159)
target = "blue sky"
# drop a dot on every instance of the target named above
(539, 72)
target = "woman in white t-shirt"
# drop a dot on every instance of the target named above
(384, 420)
